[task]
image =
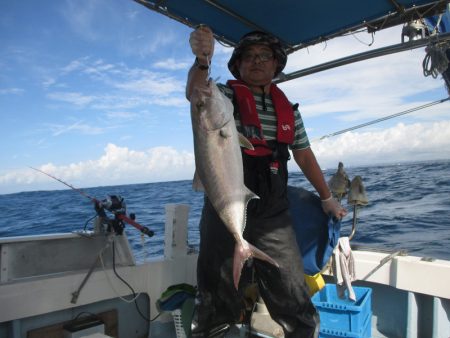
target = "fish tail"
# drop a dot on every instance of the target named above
(242, 252)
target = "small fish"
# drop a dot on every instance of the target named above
(357, 193)
(219, 168)
(339, 182)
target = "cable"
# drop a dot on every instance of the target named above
(365, 43)
(90, 219)
(129, 286)
(112, 286)
(385, 118)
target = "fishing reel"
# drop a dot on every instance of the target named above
(116, 205)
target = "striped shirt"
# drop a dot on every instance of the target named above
(268, 119)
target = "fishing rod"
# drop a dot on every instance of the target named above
(113, 204)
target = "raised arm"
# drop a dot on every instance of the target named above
(202, 44)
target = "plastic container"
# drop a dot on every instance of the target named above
(344, 317)
(179, 330)
(366, 332)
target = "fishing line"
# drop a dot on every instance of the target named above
(122, 217)
(66, 184)
(384, 118)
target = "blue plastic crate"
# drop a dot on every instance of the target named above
(366, 332)
(344, 317)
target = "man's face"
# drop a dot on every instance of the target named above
(257, 65)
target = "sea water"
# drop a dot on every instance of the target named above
(409, 209)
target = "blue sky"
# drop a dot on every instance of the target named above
(92, 91)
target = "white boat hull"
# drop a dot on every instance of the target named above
(410, 298)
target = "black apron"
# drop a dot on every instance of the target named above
(269, 228)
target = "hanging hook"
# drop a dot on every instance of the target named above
(356, 197)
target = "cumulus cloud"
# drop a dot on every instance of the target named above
(363, 90)
(118, 165)
(121, 165)
(415, 142)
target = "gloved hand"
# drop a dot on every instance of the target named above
(333, 208)
(202, 44)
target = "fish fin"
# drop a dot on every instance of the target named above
(262, 256)
(197, 184)
(242, 252)
(249, 195)
(244, 142)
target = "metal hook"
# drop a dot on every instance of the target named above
(356, 196)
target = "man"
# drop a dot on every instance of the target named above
(265, 116)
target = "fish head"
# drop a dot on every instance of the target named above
(210, 108)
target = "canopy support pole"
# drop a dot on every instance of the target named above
(362, 56)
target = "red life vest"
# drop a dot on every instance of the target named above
(250, 119)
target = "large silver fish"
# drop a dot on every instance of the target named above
(219, 169)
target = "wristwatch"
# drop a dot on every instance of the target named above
(200, 66)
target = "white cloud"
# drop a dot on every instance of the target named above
(118, 165)
(415, 142)
(77, 99)
(121, 115)
(172, 64)
(152, 84)
(121, 165)
(11, 91)
(116, 86)
(155, 42)
(74, 66)
(364, 90)
(83, 17)
(79, 127)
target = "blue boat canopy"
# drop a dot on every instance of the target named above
(297, 23)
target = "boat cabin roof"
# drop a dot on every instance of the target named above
(297, 24)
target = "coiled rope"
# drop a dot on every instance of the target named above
(435, 61)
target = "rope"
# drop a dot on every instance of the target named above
(384, 261)
(435, 61)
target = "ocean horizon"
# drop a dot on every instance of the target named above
(409, 207)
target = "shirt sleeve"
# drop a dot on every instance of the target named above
(301, 140)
